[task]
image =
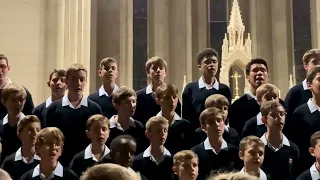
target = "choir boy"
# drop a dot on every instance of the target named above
(156, 161)
(180, 131)
(4, 81)
(230, 135)
(49, 145)
(246, 106)
(300, 93)
(254, 126)
(123, 149)
(195, 93)
(58, 87)
(156, 69)
(251, 152)
(13, 98)
(215, 153)
(125, 100)
(185, 165)
(25, 158)
(108, 72)
(71, 113)
(305, 120)
(313, 172)
(98, 132)
(281, 155)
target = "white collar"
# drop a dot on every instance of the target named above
(114, 123)
(259, 119)
(18, 157)
(315, 175)
(88, 153)
(208, 146)
(202, 84)
(48, 101)
(226, 128)
(262, 175)
(66, 102)
(304, 85)
(5, 119)
(149, 89)
(102, 91)
(285, 141)
(147, 152)
(176, 116)
(312, 107)
(58, 171)
(250, 95)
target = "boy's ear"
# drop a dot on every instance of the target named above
(311, 151)
(18, 134)
(115, 105)
(241, 155)
(148, 134)
(264, 119)
(175, 170)
(309, 85)
(204, 127)
(87, 133)
(100, 73)
(48, 83)
(158, 101)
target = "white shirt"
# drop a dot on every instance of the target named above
(147, 153)
(304, 85)
(262, 175)
(285, 141)
(208, 146)
(259, 119)
(202, 84)
(149, 89)
(89, 155)
(315, 175)
(114, 123)
(66, 102)
(102, 91)
(18, 157)
(312, 107)
(48, 101)
(5, 119)
(58, 171)
(250, 95)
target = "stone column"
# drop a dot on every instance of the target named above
(315, 23)
(281, 43)
(115, 36)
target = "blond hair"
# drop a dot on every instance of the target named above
(268, 106)
(51, 135)
(233, 176)
(156, 61)
(109, 172)
(246, 141)
(156, 120)
(165, 89)
(29, 119)
(123, 93)
(107, 60)
(217, 101)
(310, 55)
(96, 118)
(211, 112)
(264, 89)
(75, 67)
(13, 89)
(182, 156)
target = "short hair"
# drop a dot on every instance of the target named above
(75, 67)
(107, 60)
(182, 156)
(156, 60)
(24, 122)
(248, 141)
(95, 118)
(58, 72)
(266, 88)
(123, 93)
(314, 139)
(4, 57)
(116, 141)
(310, 55)
(210, 112)
(13, 89)
(165, 89)
(206, 53)
(233, 176)
(109, 171)
(4, 175)
(49, 134)
(156, 120)
(255, 61)
(312, 73)
(217, 101)
(268, 106)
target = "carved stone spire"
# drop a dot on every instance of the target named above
(235, 28)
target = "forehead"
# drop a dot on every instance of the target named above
(128, 143)
(278, 109)
(108, 64)
(159, 126)
(254, 66)
(99, 123)
(3, 61)
(56, 75)
(254, 145)
(80, 73)
(317, 75)
(190, 161)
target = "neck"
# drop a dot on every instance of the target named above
(47, 168)
(55, 97)
(209, 80)
(169, 115)
(274, 138)
(13, 118)
(27, 150)
(318, 166)
(255, 170)
(216, 143)
(97, 148)
(253, 90)
(3, 82)
(123, 120)
(155, 85)
(74, 97)
(316, 100)
(108, 87)
(156, 151)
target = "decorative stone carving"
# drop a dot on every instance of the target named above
(235, 50)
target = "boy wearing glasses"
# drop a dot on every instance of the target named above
(49, 145)
(195, 93)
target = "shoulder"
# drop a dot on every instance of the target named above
(138, 157)
(27, 175)
(294, 147)
(223, 86)
(302, 109)
(233, 132)
(240, 101)
(141, 92)
(10, 158)
(198, 148)
(93, 104)
(94, 95)
(138, 124)
(192, 85)
(40, 106)
(295, 89)
(69, 174)
(251, 121)
(305, 175)
(78, 156)
(232, 148)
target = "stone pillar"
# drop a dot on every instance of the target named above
(115, 36)
(282, 43)
(315, 23)
(200, 32)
